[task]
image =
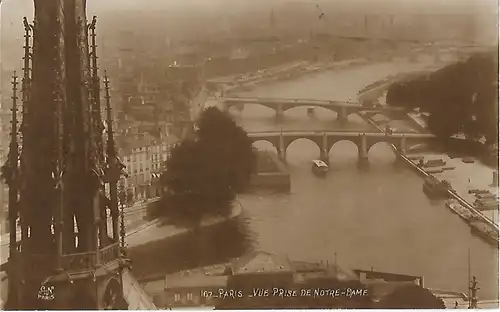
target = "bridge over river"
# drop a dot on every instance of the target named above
(281, 140)
(342, 108)
(382, 212)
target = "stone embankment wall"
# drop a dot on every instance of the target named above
(273, 176)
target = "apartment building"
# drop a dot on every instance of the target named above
(144, 156)
(4, 197)
(5, 116)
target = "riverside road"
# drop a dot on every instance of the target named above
(378, 218)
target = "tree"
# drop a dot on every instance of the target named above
(204, 174)
(394, 95)
(219, 133)
(411, 297)
(461, 98)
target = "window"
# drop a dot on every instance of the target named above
(177, 297)
(190, 296)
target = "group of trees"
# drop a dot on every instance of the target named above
(205, 173)
(460, 98)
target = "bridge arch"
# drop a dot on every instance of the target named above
(399, 142)
(265, 145)
(331, 109)
(280, 108)
(290, 145)
(345, 149)
(379, 147)
(229, 105)
(289, 140)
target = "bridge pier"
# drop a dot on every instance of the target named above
(281, 148)
(400, 150)
(279, 111)
(282, 155)
(324, 149)
(363, 161)
(342, 115)
(402, 146)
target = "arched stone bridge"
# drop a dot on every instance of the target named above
(326, 139)
(343, 109)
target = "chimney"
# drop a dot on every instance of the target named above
(495, 178)
(362, 277)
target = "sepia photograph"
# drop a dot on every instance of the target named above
(249, 154)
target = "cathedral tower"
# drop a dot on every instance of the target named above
(66, 257)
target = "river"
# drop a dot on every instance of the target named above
(378, 218)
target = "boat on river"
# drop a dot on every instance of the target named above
(436, 189)
(460, 210)
(485, 231)
(432, 163)
(319, 167)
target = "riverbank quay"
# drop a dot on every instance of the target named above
(293, 73)
(462, 194)
(271, 173)
(457, 300)
(259, 74)
(485, 222)
(242, 82)
(463, 176)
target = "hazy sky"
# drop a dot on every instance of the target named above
(10, 7)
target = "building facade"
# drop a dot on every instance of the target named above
(143, 157)
(5, 116)
(264, 280)
(238, 279)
